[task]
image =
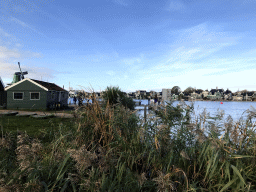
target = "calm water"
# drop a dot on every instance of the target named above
(234, 109)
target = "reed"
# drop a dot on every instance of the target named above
(109, 148)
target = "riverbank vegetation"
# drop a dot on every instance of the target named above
(108, 148)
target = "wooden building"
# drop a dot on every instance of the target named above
(35, 94)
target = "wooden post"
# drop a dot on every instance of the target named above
(145, 113)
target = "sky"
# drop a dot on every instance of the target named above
(133, 44)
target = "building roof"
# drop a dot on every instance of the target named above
(44, 85)
(49, 86)
(227, 91)
(198, 91)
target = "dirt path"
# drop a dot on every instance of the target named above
(57, 114)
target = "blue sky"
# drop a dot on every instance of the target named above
(132, 44)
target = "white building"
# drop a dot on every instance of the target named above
(166, 94)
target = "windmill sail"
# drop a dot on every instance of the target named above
(18, 76)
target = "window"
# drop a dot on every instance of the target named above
(53, 94)
(34, 96)
(18, 96)
(63, 95)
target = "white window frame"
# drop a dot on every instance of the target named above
(34, 92)
(18, 92)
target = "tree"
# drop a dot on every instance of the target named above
(189, 90)
(176, 90)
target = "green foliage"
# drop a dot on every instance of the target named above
(111, 149)
(189, 90)
(176, 90)
(114, 96)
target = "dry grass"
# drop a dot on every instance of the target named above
(110, 149)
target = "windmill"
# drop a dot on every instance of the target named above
(18, 76)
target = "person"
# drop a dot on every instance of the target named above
(155, 99)
(74, 99)
(148, 100)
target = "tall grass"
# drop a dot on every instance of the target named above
(110, 149)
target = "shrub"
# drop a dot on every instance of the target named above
(113, 95)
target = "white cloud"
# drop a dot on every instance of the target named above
(133, 60)
(7, 69)
(111, 73)
(199, 42)
(3, 33)
(6, 53)
(9, 58)
(25, 25)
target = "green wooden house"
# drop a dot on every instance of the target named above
(34, 94)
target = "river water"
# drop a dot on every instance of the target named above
(235, 109)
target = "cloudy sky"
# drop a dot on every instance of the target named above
(133, 44)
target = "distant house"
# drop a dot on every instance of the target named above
(141, 93)
(227, 95)
(72, 93)
(98, 94)
(254, 96)
(159, 95)
(205, 93)
(35, 94)
(131, 94)
(197, 94)
(237, 96)
(166, 94)
(3, 96)
(247, 95)
(152, 94)
(215, 94)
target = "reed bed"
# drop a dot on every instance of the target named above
(110, 149)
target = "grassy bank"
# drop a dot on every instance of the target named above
(110, 149)
(33, 126)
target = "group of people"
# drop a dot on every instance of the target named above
(80, 100)
(155, 100)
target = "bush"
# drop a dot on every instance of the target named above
(113, 95)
